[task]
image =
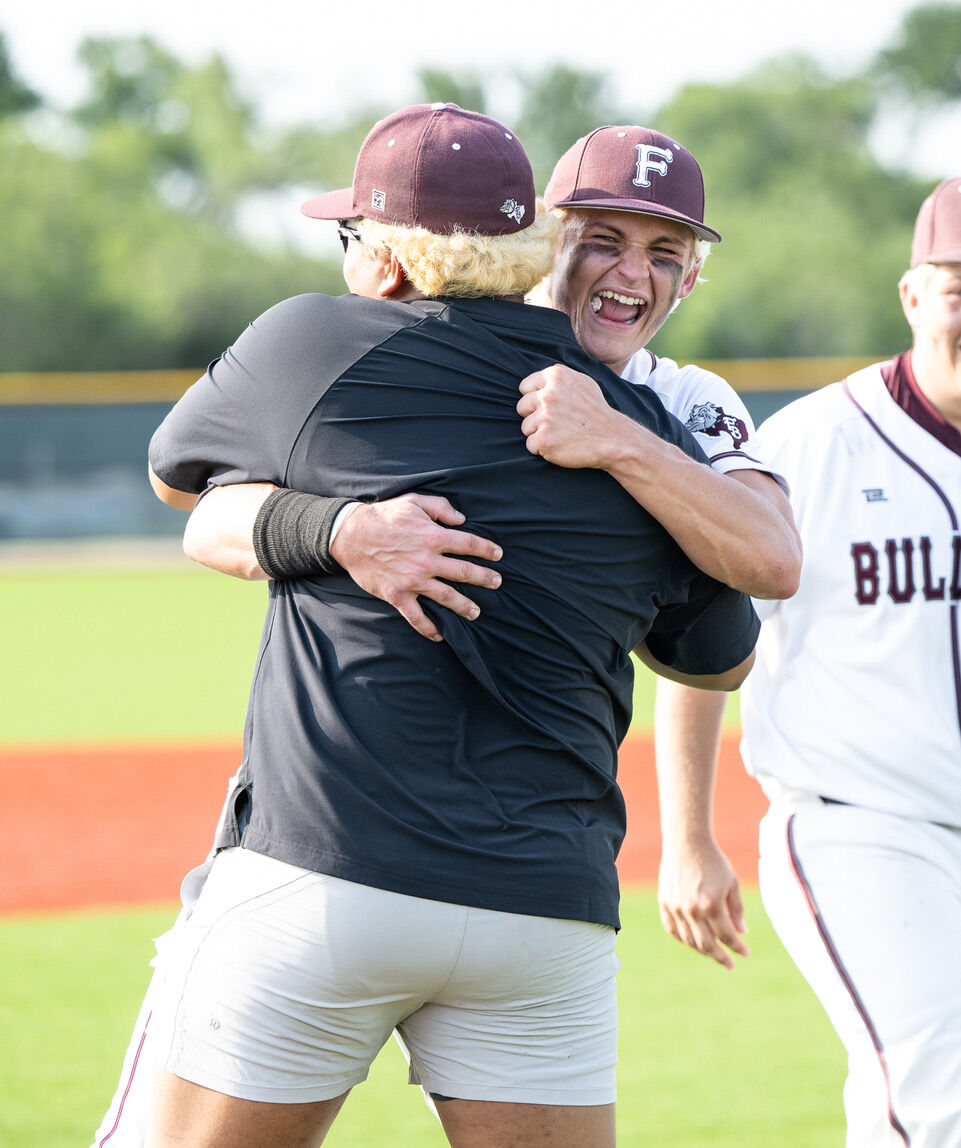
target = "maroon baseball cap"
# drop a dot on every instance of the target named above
(629, 168)
(439, 167)
(937, 232)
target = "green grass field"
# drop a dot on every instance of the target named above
(707, 1058)
(157, 655)
(144, 655)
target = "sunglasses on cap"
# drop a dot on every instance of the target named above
(346, 232)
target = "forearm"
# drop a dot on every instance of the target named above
(687, 739)
(699, 897)
(219, 532)
(738, 528)
(398, 550)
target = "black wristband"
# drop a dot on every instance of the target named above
(292, 534)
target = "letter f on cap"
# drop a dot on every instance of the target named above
(650, 158)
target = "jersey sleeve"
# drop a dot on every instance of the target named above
(713, 631)
(714, 413)
(239, 421)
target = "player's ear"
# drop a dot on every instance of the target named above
(393, 278)
(907, 289)
(687, 283)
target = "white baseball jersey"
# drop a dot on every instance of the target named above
(707, 405)
(856, 691)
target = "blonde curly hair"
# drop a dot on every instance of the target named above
(465, 264)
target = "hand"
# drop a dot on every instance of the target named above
(399, 549)
(700, 902)
(568, 421)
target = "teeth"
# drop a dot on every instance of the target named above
(629, 300)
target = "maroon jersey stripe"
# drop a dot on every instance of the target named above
(844, 975)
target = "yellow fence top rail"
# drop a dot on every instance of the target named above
(167, 386)
(786, 374)
(95, 386)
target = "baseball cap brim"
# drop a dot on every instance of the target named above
(642, 208)
(331, 205)
(953, 256)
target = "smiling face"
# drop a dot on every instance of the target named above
(617, 274)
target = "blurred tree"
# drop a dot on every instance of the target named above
(188, 130)
(127, 253)
(101, 274)
(925, 59)
(130, 249)
(321, 158)
(465, 89)
(816, 232)
(15, 97)
(558, 106)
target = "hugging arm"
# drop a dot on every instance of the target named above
(398, 550)
(737, 527)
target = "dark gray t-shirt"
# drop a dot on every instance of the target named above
(480, 770)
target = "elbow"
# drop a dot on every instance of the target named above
(780, 578)
(195, 544)
(777, 572)
(200, 547)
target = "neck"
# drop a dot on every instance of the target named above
(406, 293)
(938, 375)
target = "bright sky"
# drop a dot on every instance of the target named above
(299, 63)
(305, 63)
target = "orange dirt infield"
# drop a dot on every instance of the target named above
(117, 825)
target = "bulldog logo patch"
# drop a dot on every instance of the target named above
(710, 419)
(513, 210)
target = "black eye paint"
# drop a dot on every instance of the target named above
(677, 276)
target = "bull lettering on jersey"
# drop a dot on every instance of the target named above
(898, 591)
(867, 579)
(710, 419)
(897, 571)
(651, 158)
(932, 592)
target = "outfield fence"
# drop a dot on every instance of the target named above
(73, 445)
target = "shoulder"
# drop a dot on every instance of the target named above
(701, 399)
(820, 421)
(289, 321)
(712, 411)
(640, 402)
(679, 387)
(315, 333)
(823, 412)
(297, 307)
(312, 309)
(867, 387)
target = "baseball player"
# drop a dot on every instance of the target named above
(632, 245)
(410, 816)
(852, 715)
(400, 549)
